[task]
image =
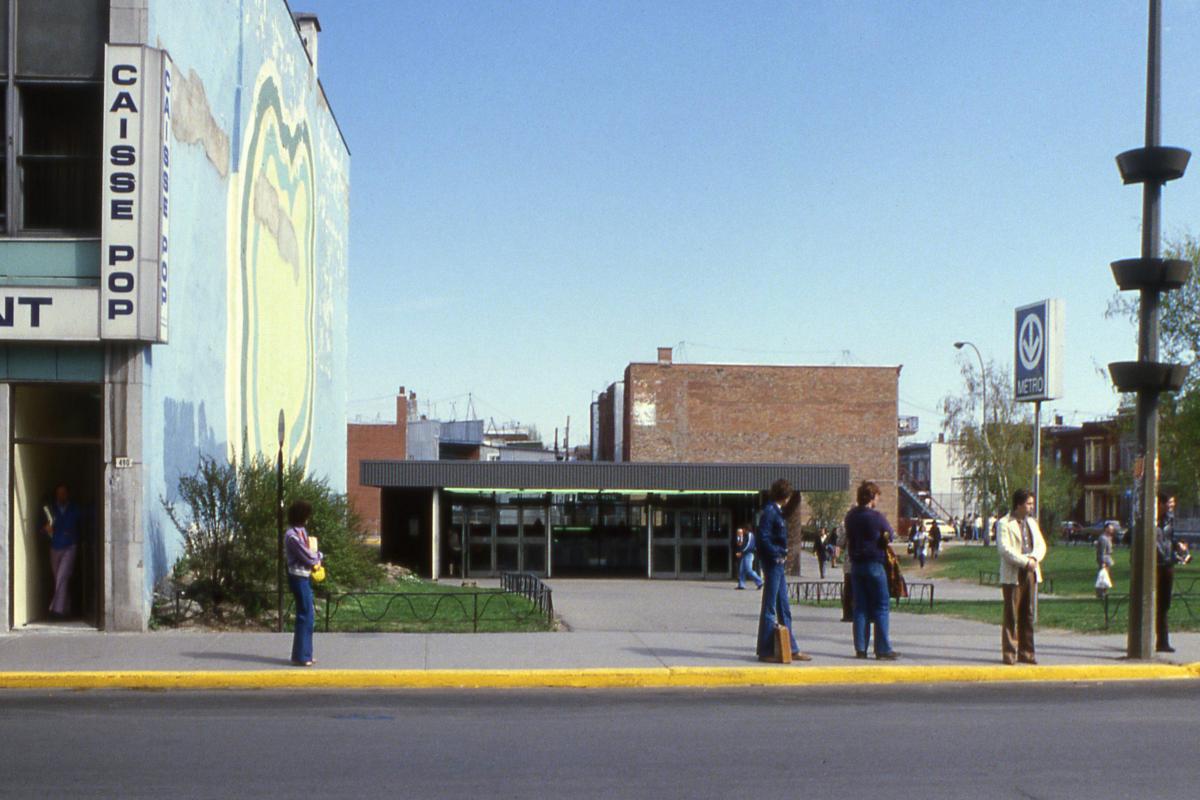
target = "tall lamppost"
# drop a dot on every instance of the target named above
(1152, 166)
(987, 449)
(279, 529)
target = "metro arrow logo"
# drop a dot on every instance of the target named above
(1030, 339)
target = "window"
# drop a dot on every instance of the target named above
(51, 64)
(1093, 457)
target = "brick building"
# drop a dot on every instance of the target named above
(374, 441)
(1100, 455)
(749, 413)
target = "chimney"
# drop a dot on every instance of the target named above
(1058, 419)
(941, 438)
(664, 356)
(309, 27)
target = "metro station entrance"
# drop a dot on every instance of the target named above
(56, 441)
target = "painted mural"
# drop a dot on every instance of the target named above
(272, 280)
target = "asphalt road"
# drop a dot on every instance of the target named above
(995, 741)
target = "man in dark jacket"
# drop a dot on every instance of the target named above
(1164, 542)
(772, 551)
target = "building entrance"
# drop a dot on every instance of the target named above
(56, 441)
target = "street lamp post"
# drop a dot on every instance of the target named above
(279, 529)
(987, 449)
(1152, 166)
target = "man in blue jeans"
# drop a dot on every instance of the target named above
(772, 551)
(867, 535)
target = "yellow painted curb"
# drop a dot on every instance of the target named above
(662, 677)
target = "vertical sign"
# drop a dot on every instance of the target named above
(1037, 364)
(133, 232)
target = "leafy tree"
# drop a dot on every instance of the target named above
(1179, 341)
(998, 459)
(827, 509)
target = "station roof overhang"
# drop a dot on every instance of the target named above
(596, 476)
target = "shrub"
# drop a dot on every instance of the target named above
(228, 525)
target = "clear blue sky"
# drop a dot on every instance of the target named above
(543, 192)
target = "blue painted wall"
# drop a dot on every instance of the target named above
(258, 244)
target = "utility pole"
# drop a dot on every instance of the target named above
(1151, 166)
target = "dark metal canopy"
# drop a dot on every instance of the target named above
(594, 476)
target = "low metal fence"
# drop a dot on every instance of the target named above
(1187, 596)
(532, 588)
(819, 591)
(470, 606)
(987, 578)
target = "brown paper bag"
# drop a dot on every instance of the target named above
(783, 645)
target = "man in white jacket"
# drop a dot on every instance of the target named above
(1022, 550)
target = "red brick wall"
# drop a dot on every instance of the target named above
(747, 413)
(366, 442)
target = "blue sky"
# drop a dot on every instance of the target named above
(544, 192)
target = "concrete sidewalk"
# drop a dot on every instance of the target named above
(622, 633)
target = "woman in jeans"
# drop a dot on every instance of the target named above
(301, 559)
(867, 535)
(772, 551)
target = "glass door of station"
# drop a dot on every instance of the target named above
(502, 538)
(691, 543)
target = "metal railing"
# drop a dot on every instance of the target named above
(473, 606)
(531, 587)
(1187, 596)
(987, 578)
(818, 591)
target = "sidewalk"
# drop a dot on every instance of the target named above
(621, 633)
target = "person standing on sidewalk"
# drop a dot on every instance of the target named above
(868, 534)
(820, 551)
(1022, 550)
(301, 559)
(744, 548)
(1164, 541)
(772, 548)
(843, 547)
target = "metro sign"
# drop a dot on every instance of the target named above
(1037, 364)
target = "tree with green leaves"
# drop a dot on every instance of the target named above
(997, 458)
(1179, 342)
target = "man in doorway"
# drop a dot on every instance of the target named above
(63, 530)
(1022, 550)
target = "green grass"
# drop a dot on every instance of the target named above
(1073, 606)
(1071, 567)
(429, 607)
(1078, 614)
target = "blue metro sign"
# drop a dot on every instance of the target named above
(1037, 362)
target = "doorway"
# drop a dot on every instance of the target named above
(56, 440)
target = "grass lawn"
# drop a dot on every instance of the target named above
(427, 607)
(1073, 606)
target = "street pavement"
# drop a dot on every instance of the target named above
(1083, 740)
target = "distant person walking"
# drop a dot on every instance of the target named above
(744, 548)
(1104, 559)
(1022, 550)
(919, 539)
(935, 539)
(301, 559)
(868, 534)
(773, 549)
(821, 552)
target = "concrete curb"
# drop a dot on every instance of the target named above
(662, 677)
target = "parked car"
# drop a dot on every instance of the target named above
(1092, 532)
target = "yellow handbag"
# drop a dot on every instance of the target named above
(318, 573)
